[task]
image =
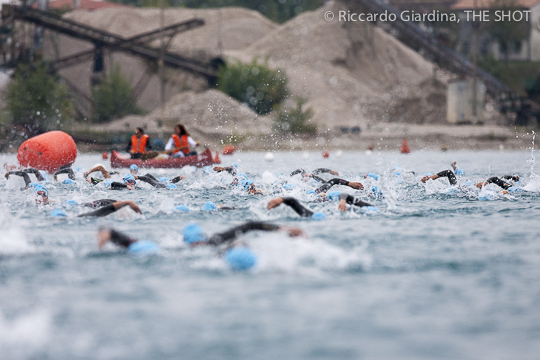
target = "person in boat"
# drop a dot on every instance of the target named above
(40, 190)
(180, 143)
(301, 210)
(108, 206)
(139, 145)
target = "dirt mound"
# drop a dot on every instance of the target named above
(210, 116)
(353, 74)
(239, 27)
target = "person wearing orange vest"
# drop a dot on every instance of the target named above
(180, 144)
(139, 144)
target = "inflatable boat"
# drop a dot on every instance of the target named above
(203, 159)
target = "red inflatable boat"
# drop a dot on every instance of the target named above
(203, 159)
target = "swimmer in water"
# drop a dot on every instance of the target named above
(108, 206)
(499, 182)
(129, 180)
(24, 173)
(446, 173)
(327, 185)
(194, 235)
(294, 204)
(40, 190)
(314, 174)
(66, 169)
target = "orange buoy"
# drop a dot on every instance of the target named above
(405, 149)
(217, 160)
(325, 154)
(48, 151)
(105, 155)
(229, 149)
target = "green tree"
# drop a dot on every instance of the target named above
(507, 33)
(37, 100)
(258, 86)
(113, 97)
(295, 120)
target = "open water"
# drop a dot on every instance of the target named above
(436, 273)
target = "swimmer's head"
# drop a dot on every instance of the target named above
(246, 184)
(209, 206)
(373, 176)
(193, 234)
(240, 258)
(58, 213)
(171, 186)
(134, 169)
(129, 179)
(40, 190)
(318, 216)
(68, 181)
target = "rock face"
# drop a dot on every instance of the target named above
(239, 28)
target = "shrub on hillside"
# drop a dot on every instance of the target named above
(37, 100)
(113, 97)
(258, 86)
(295, 120)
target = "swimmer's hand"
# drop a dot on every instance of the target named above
(218, 168)
(130, 187)
(86, 174)
(292, 232)
(334, 172)
(103, 237)
(55, 177)
(426, 178)
(182, 177)
(481, 184)
(454, 166)
(7, 175)
(505, 192)
(274, 203)
(342, 206)
(356, 185)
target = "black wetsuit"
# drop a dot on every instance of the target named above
(217, 239)
(327, 185)
(24, 173)
(231, 170)
(148, 178)
(296, 206)
(351, 200)
(66, 169)
(500, 183)
(120, 239)
(450, 175)
(104, 211)
(230, 235)
(99, 203)
(176, 179)
(314, 172)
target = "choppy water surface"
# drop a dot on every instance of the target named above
(435, 274)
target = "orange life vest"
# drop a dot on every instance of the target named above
(181, 142)
(138, 145)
